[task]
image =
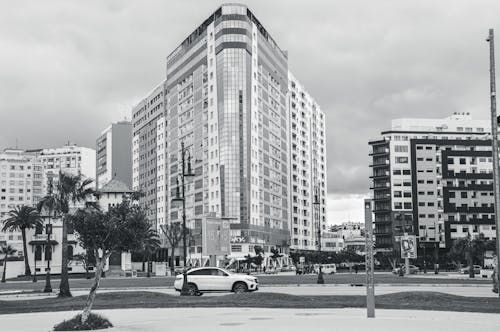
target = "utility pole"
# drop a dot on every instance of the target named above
(494, 139)
(370, 284)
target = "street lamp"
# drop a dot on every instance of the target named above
(181, 197)
(48, 248)
(317, 203)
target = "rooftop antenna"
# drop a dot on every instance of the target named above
(494, 140)
(16, 144)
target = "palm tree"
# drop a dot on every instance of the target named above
(150, 245)
(70, 189)
(7, 250)
(22, 218)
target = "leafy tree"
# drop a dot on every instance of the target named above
(88, 260)
(469, 249)
(121, 228)
(69, 190)
(275, 254)
(388, 258)
(173, 233)
(22, 218)
(150, 245)
(7, 251)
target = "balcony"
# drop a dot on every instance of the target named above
(380, 152)
(378, 198)
(384, 163)
(42, 239)
(380, 175)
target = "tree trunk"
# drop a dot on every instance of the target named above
(471, 264)
(64, 285)
(27, 270)
(4, 268)
(90, 299)
(172, 262)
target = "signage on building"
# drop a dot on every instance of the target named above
(216, 235)
(408, 246)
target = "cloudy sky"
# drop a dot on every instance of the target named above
(69, 68)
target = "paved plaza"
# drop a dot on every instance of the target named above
(258, 319)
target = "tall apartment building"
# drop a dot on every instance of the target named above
(20, 184)
(227, 98)
(433, 178)
(144, 150)
(114, 154)
(308, 168)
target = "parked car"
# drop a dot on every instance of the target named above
(326, 268)
(465, 270)
(413, 269)
(214, 279)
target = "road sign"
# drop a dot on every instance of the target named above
(216, 236)
(408, 246)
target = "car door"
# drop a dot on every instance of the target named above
(217, 280)
(201, 278)
(224, 280)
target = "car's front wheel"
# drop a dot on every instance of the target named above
(240, 287)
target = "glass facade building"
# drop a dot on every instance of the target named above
(226, 97)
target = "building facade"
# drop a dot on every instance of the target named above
(21, 183)
(432, 178)
(114, 154)
(70, 159)
(227, 98)
(144, 148)
(308, 168)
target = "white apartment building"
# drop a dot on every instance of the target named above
(71, 159)
(432, 178)
(144, 150)
(308, 167)
(20, 184)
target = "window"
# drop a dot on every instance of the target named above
(463, 194)
(397, 194)
(406, 172)
(396, 172)
(48, 253)
(401, 148)
(401, 160)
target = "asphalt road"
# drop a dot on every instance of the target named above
(264, 280)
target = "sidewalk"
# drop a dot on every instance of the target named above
(257, 319)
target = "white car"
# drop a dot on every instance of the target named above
(214, 279)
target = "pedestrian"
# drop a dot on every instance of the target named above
(356, 268)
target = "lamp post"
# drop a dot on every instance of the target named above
(494, 145)
(181, 197)
(48, 248)
(317, 203)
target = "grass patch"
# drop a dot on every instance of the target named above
(94, 322)
(405, 300)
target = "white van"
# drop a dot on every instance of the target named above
(326, 268)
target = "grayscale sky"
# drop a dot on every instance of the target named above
(69, 68)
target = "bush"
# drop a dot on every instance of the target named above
(94, 322)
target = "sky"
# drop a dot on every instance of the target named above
(69, 68)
